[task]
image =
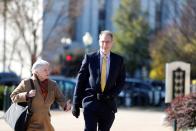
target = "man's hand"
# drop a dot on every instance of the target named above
(76, 111)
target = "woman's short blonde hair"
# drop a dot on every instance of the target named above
(40, 63)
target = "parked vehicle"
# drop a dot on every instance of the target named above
(9, 78)
(139, 93)
(66, 85)
(159, 87)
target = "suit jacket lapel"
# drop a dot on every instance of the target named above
(39, 95)
(97, 64)
(49, 92)
(39, 91)
(110, 70)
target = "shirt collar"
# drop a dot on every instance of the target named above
(101, 54)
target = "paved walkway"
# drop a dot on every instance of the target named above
(133, 119)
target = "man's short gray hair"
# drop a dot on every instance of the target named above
(106, 32)
(38, 65)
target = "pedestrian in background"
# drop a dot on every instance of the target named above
(100, 80)
(45, 93)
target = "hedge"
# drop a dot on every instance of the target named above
(2, 88)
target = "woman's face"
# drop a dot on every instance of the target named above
(43, 72)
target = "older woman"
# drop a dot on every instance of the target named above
(45, 93)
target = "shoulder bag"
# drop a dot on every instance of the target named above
(19, 114)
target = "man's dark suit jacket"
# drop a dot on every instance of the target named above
(89, 79)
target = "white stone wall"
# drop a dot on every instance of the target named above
(170, 67)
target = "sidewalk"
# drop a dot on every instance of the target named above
(1, 114)
(133, 119)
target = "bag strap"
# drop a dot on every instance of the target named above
(32, 84)
(31, 99)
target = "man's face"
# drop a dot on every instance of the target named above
(105, 43)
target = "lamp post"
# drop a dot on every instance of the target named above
(87, 40)
(65, 57)
(66, 42)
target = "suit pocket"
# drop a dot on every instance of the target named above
(87, 100)
(112, 105)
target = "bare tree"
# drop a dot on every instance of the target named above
(61, 27)
(178, 40)
(187, 26)
(26, 20)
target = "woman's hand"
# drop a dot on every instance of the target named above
(68, 105)
(31, 93)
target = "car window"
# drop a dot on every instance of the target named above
(135, 85)
(65, 85)
(69, 85)
(60, 84)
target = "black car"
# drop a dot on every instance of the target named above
(136, 93)
(66, 85)
(9, 78)
(159, 87)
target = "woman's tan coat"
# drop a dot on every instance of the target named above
(40, 121)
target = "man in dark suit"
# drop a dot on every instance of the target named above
(100, 80)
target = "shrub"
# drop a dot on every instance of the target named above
(183, 110)
(1, 97)
(7, 98)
